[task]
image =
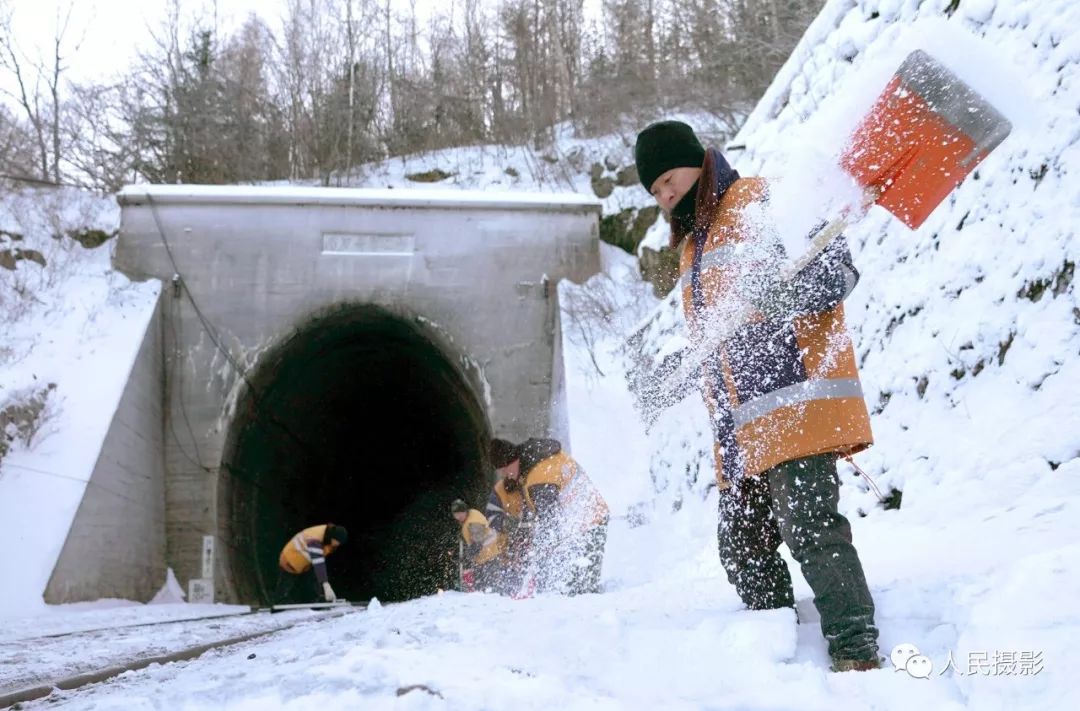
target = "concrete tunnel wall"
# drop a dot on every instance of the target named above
(275, 302)
(360, 418)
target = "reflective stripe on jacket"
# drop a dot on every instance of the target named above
(306, 550)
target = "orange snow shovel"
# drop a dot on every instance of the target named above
(922, 136)
(925, 133)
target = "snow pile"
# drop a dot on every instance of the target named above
(71, 328)
(665, 647)
(170, 592)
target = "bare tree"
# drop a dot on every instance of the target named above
(476, 64)
(39, 87)
(98, 151)
(16, 146)
(350, 46)
(329, 84)
(253, 124)
(619, 71)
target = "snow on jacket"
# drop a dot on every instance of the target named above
(305, 550)
(780, 388)
(556, 485)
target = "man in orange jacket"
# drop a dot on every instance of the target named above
(571, 517)
(783, 391)
(303, 560)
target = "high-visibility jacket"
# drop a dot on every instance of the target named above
(478, 534)
(503, 504)
(777, 390)
(576, 495)
(305, 550)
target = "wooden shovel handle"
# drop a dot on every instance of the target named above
(830, 232)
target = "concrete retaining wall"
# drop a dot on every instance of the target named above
(116, 546)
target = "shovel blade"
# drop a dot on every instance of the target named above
(924, 134)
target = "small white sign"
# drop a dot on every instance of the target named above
(374, 244)
(201, 591)
(208, 557)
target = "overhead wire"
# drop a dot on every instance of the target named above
(211, 331)
(866, 476)
(69, 477)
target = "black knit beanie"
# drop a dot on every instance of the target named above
(665, 145)
(503, 452)
(336, 533)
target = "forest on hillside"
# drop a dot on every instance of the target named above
(331, 84)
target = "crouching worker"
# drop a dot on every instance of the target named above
(481, 550)
(302, 564)
(571, 517)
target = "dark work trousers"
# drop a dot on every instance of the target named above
(796, 502)
(556, 556)
(488, 576)
(515, 560)
(587, 579)
(297, 588)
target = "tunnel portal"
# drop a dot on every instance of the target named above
(361, 418)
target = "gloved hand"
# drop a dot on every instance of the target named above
(328, 593)
(820, 285)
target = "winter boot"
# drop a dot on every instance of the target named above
(844, 665)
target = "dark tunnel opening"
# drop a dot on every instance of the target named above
(363, 419)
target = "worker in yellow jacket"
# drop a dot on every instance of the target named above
(303, 560)
(571, 517)
(482, 548)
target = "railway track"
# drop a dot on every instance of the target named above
(200, 618)
(106, 652)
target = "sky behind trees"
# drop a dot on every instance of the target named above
(113, 31)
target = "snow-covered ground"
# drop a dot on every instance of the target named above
(968, 335)
(80, 617)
